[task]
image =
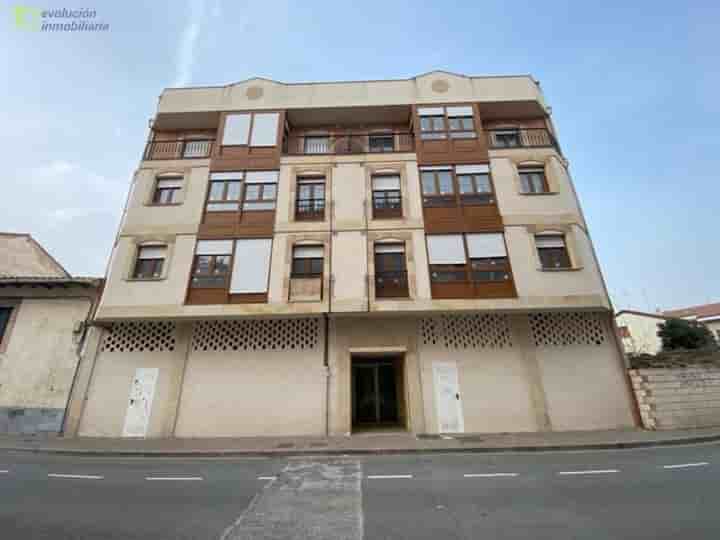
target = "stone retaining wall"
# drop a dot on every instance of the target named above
(678, 398)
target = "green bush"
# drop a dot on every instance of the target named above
(686, 335)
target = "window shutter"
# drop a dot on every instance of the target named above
(386, 183)
(236, 130)
(214, 247)
(460, 111)
(169, 183)
(431, 111)
(264, 131)
(389, 248)
(486, 245)
(550, 241)
(152, 252)
(251, 266)
(308, 252)
(472, 169)
(261, 177)
(446, 249)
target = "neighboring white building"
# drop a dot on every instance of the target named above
(638, 331)
(708, 314)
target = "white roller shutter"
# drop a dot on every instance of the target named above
(431, 111)
(472, 169)
(550, 241)
(386, 183)
(214, 247)
(237, 128)
(264, 131)
(486, 245)
(308, 252)
(446, 249)
(251, 266)
(460, 111)
(261, 177)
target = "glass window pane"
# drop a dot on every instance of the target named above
(319, 191)
(269, 191)
(252, 192)
(222, 264)
(259, 205)
(316, 266)
(445, 182)
(438, 123)
(538, 184)
(455, 123)
(425, 123)
(428, 183)
(202, 266)
(482, 181)
(467, 123)
(305, 192)
(264, 130)
(236, 129)
(465, 183)
(216, 191)
(233, 191)
(222, 207)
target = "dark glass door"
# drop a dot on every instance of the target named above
(375, 394)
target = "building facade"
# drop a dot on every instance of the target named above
(639, 331)
(707, 314)
(43, 315)
(336, 257)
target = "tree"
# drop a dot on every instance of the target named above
(681, 334)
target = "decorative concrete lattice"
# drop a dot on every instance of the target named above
(140, 337)
(467, 331)
(567, 328)
(253, 335)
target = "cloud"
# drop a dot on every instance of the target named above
(185, 61)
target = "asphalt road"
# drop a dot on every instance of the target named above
(651, 493)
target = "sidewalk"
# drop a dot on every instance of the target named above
(370, 443)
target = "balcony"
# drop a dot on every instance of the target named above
(391, 284)
(521, 138)
(178, 149)
(355, 143)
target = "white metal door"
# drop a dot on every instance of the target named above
(142, 392)
(447, 398)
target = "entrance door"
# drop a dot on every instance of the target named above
(375, 393)
(447, 398)
(142, 392)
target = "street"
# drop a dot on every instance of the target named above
(654, 493)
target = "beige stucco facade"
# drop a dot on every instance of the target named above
(520, 362)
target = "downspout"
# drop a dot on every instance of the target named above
(326, 315)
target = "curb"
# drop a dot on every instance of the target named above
(365, 451)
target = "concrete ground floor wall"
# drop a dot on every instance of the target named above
(489, 372)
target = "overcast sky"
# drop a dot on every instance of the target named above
(633, 86)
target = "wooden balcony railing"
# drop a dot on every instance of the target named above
(391, 284)
(178, 149)
(521, 138)
(356, 143)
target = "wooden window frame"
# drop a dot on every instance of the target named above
(157, 198)
(387, 212)
(224, 284)
(524, 169)
(448, 129)
(156, 264)
(306, 271)
(260, 198)
(549, 254)
(457, 199)
(399, 287)
(492, 266)
(384, 150)
(467, 268)
(251, 124)
(314, 214)
(224, 200)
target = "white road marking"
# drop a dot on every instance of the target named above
(388, 476)
(174, 478)
(685, 465)
(266, 477)
(596, 471)
(76, 476)
(489, 475)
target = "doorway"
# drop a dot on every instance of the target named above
(378, 399)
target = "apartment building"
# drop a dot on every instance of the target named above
(302, 259)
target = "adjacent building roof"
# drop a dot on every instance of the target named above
(700, 312)
(642, 314)
(21, 256)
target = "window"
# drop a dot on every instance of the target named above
(260, 190)
(488, 257)
(446, 254)
(224, 192)
(316, 144)
(237, 129)
(382, 143)
(532, 180)
(442, 122)
(474, 184)
(255, 129)
(438, 187)
(552, 251)
(506, 138)
(464, 184)
(307, 262)
(624, 331)
(211, 268)
(390, 271)
(5, 313)
(167, 190)
(310, 200)
(149, 262)
(251, 266)
(386, 196)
